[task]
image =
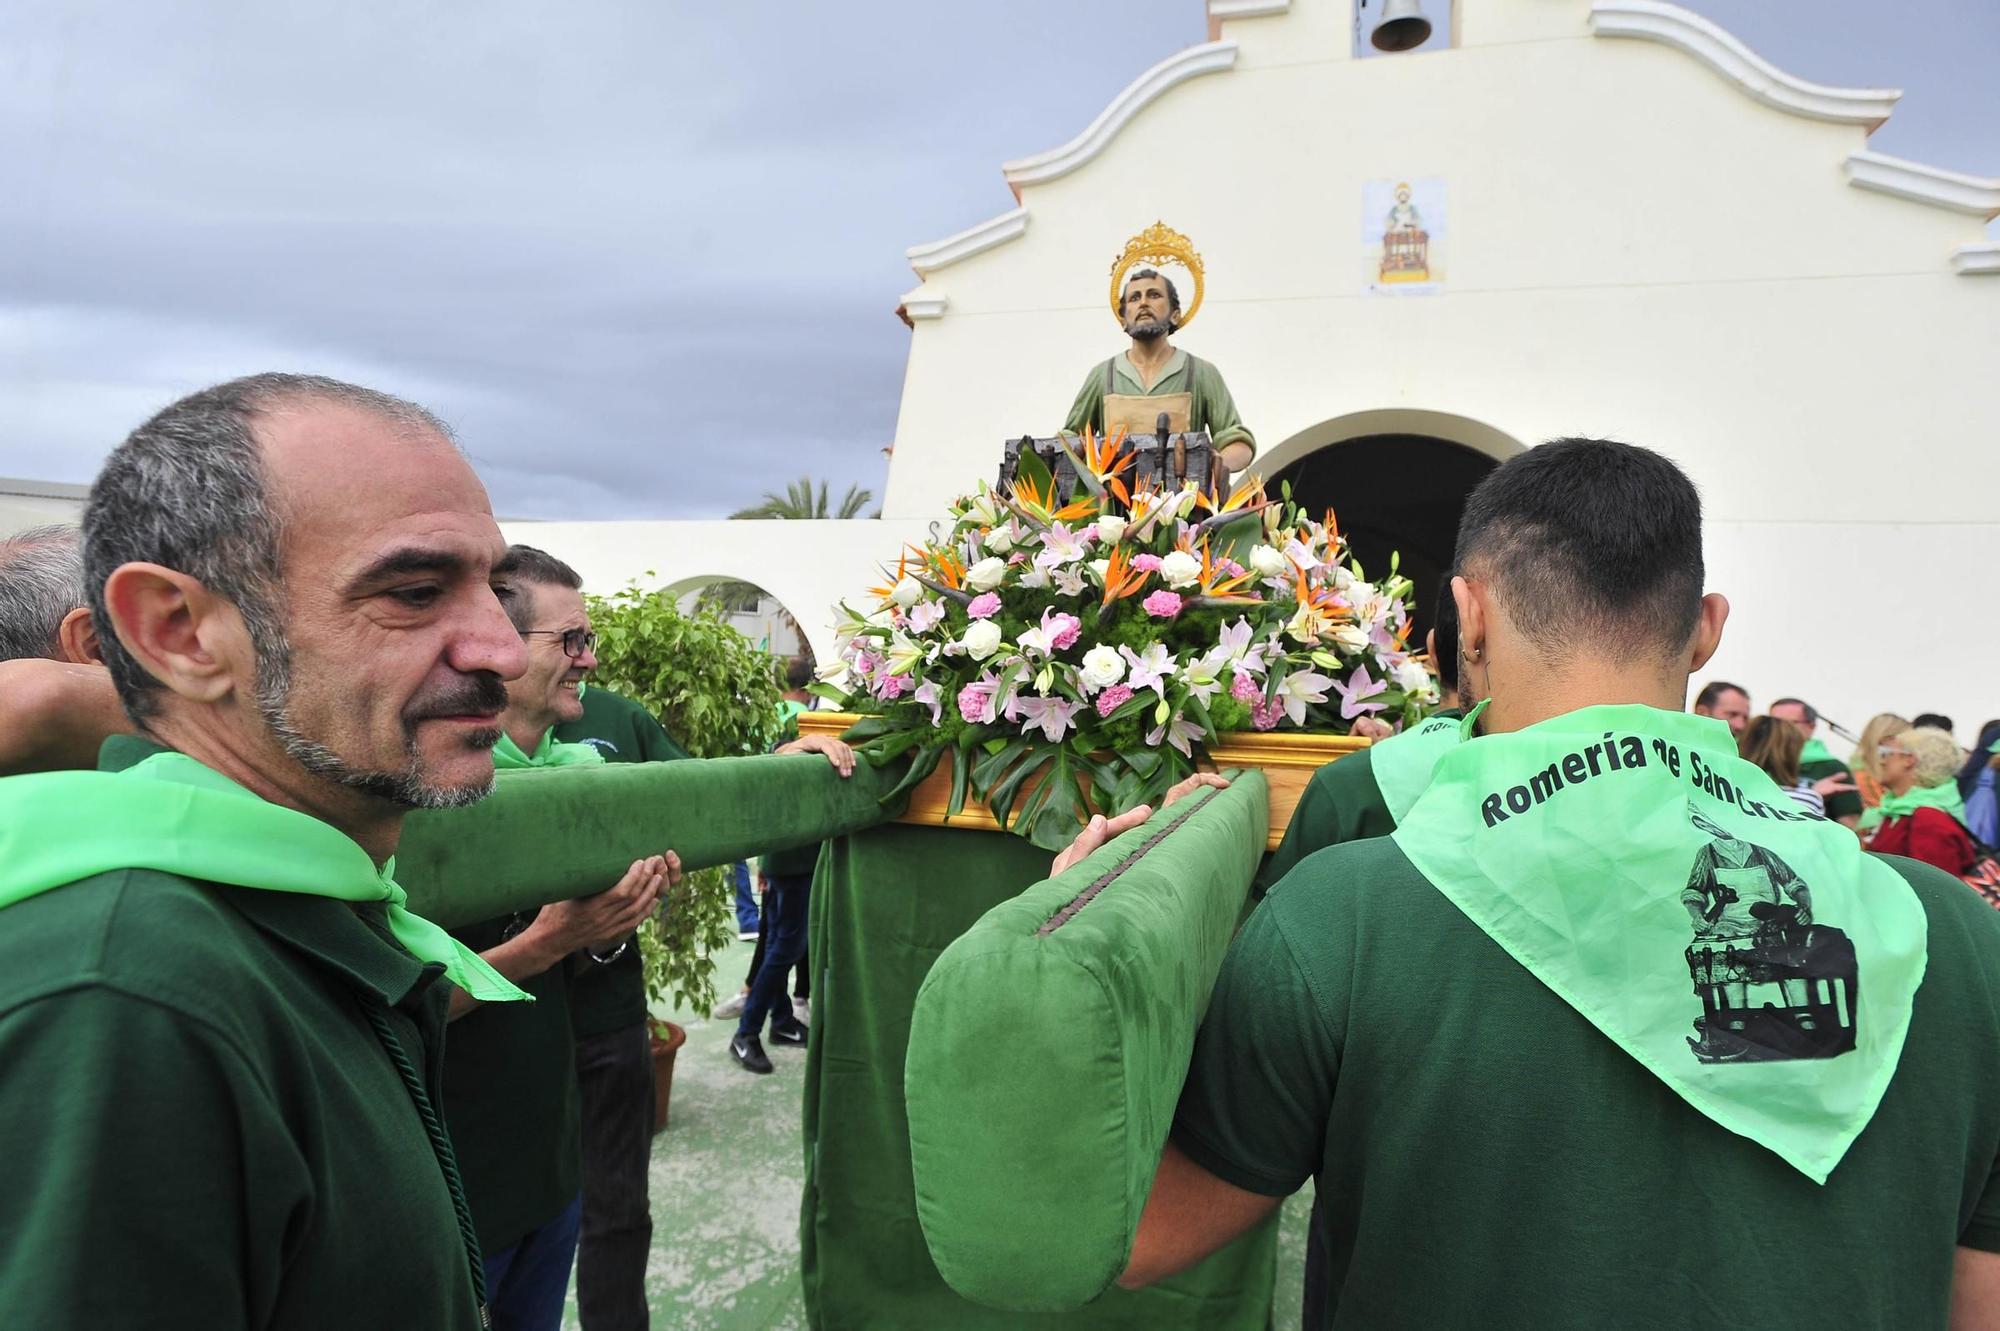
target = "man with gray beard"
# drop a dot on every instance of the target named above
(219, 1024)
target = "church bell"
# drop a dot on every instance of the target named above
(1403, 27)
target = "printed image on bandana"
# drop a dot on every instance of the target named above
(1773, 983)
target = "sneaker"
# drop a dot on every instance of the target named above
(731, 1006)
(746, 1050)
(802, 1011)
(746, 935)
(793, 1036)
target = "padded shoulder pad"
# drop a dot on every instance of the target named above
(1048, 1048)
(552, 833)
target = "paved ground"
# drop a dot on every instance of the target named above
(725, 1185)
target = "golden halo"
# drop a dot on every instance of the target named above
(1158, 243)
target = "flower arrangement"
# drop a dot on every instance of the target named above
(1087, 652)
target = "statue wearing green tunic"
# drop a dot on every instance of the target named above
(1133, 387)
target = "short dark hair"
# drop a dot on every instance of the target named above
(1812, 712)
(1445, 658)
(1711, 692)
(1934, 720)
(798, 671)
(1173, 295)
(186, 490)
(1589, 541)
(527, 565)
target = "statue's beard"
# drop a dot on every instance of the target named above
(1148, 330)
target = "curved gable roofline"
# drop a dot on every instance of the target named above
(1723, 52)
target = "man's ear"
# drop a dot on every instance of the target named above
(1471, 618)
(76, 638)
(178, 631)
(1708, 630)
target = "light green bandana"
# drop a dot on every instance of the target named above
(1815, 751)
(1748, 954)
(172, 814)
(548, 753)
(1944, 796)
(1403, 764)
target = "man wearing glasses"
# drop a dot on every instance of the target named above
(511, 1094)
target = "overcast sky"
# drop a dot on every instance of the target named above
(643, 254)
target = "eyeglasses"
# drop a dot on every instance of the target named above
(575, 642)
(1884, 751)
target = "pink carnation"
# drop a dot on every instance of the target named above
(1112, 699)
(975, 701)
(1244, 689)
(984, 606)
(1146, 563)
(1266, 716)
(1063, 630)
(1162, 604)
(889, 686)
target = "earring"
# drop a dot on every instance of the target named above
(1472, 653)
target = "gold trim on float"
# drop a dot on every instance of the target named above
(1286, 758)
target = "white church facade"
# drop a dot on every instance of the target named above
(1643, 230)
(1632, 226)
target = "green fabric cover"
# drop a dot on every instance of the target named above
(1048, 1048)
(886, 902)
(548, 834)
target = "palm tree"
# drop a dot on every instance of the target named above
(801, 503)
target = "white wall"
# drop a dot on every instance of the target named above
(1636, 248)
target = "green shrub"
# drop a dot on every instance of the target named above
(717, 693)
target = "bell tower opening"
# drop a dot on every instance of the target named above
(1401, 493)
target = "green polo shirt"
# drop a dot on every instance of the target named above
(201, 1127)
(612, 997)
(1488, 1158)
(1341, 803)
(510, 1099)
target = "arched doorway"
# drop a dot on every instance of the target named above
(1393, 493)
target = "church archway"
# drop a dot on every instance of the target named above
(1395, 491)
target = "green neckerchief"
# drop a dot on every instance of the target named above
(1815, 751)
(1403, 764)
(1748, 954)
(172, 814)
(548, 753)
(1945, 797)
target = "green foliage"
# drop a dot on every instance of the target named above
(801, 502)
(718, 695)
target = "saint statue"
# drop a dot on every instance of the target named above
(1135, 386)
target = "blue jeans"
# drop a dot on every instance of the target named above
(746, 901)
(784, 944)
(525, 1284)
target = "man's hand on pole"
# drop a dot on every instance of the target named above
(837, 752)
(1102, 829)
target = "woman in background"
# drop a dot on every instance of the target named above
(1922, 814)
(1866, 764)
(1775, 746)
(1979, 786)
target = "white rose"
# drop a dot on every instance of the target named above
(1102, 667)
(999, 540)
(1412, 678)
(1269, 562)
(1099, 569)
(906, 592)
(1180, 569)
(1110, 528)
(982, 638)
(987, 574)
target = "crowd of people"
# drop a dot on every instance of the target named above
(1907, 787)
(242, 1078)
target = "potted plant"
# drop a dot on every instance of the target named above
(717, 693)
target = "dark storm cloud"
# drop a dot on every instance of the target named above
(644, 257)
